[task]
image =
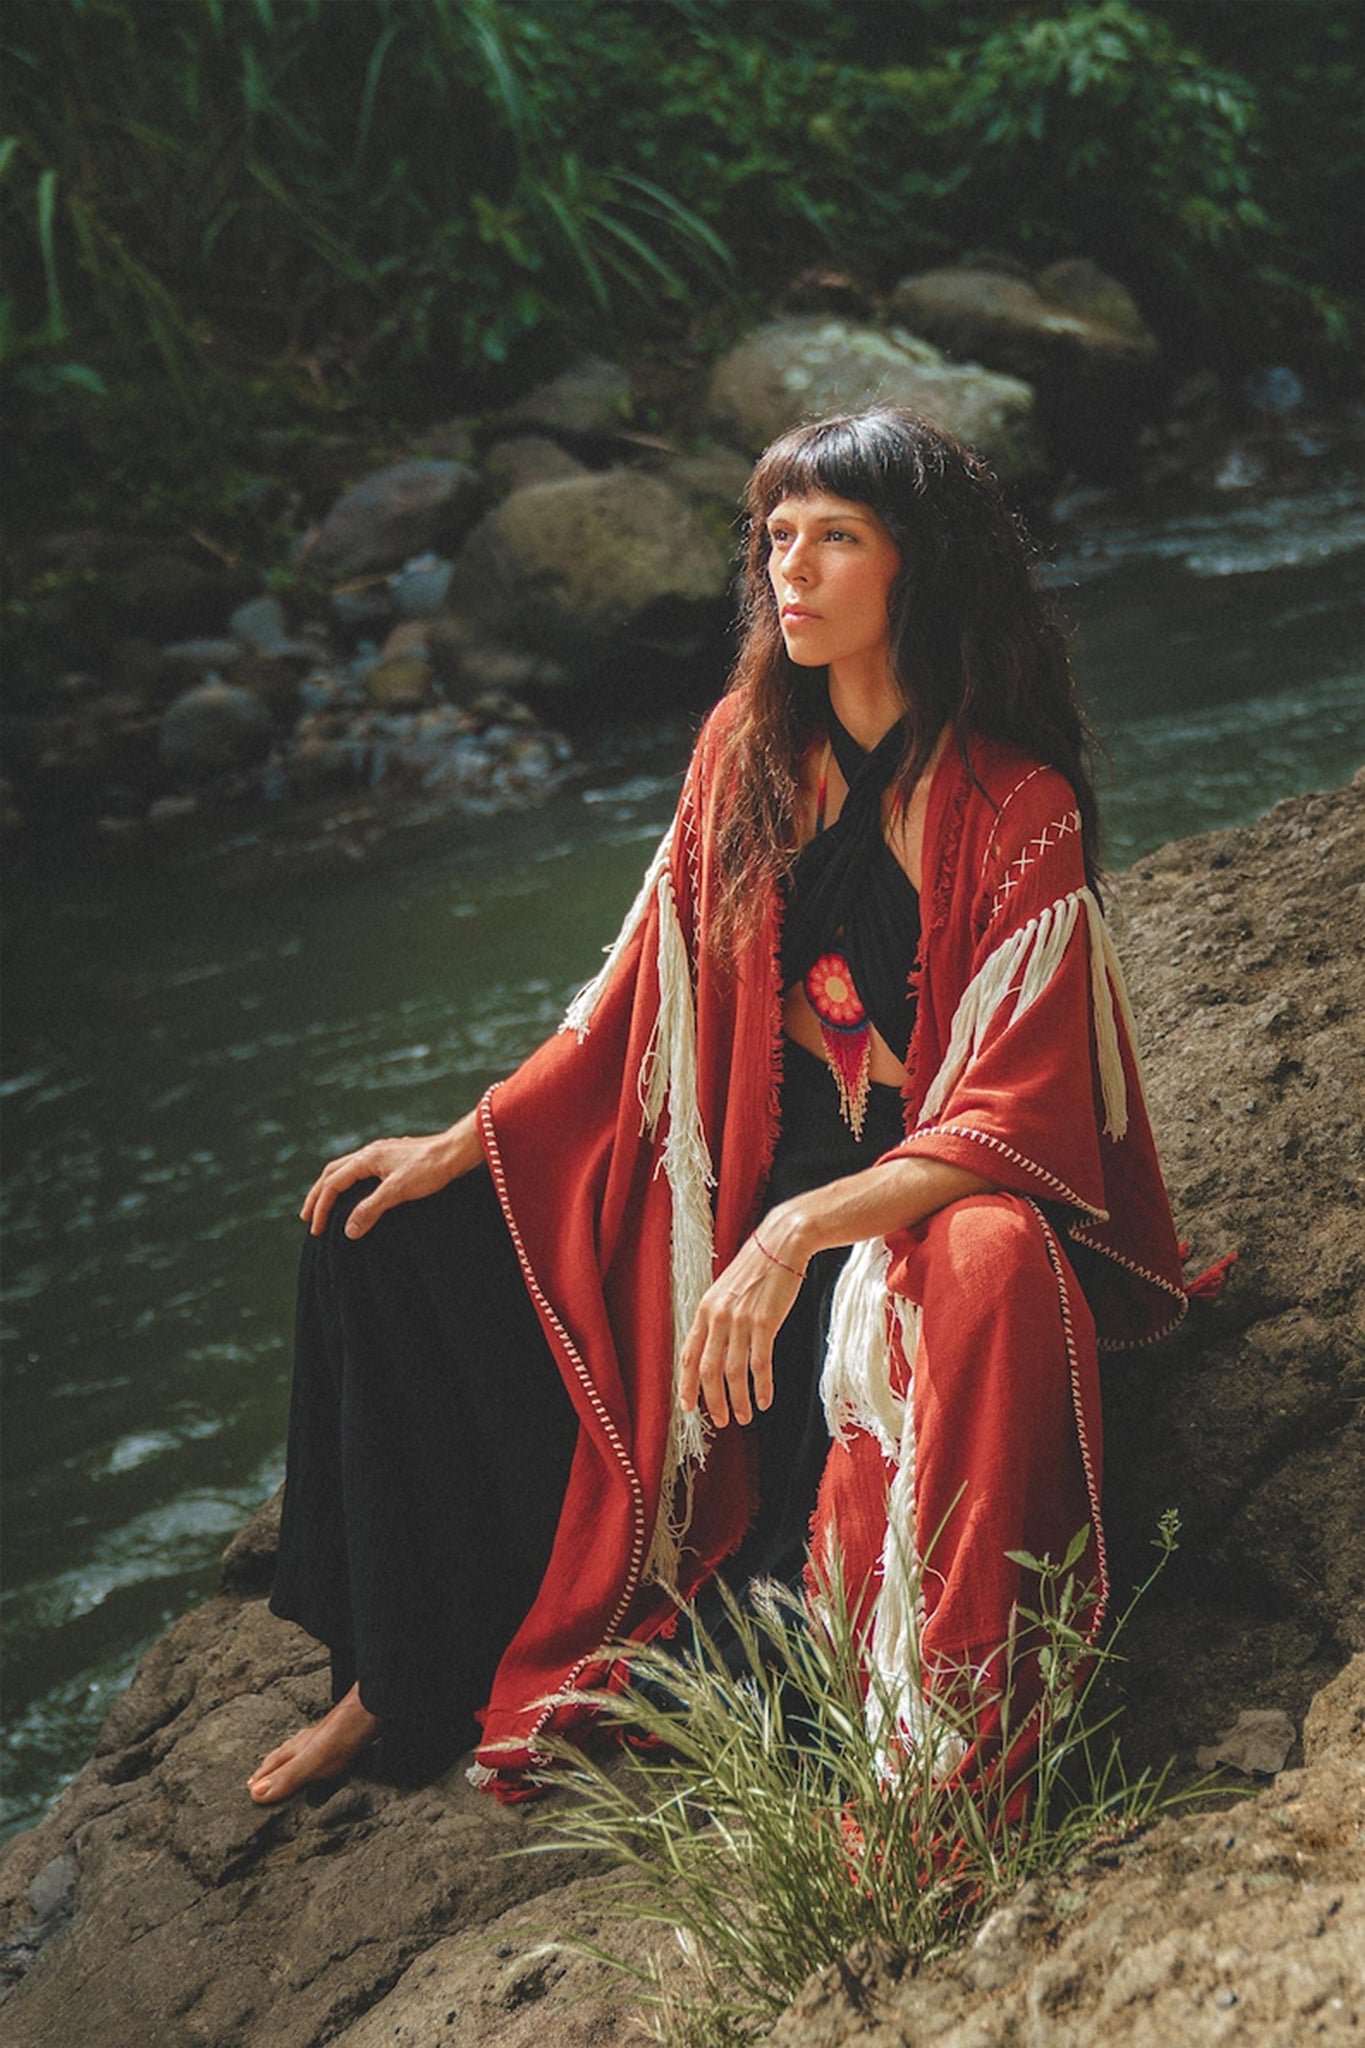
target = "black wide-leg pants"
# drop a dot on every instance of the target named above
(430, 1436)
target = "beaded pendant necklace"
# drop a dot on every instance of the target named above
(839, 1011)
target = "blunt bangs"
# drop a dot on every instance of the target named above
(868, 458)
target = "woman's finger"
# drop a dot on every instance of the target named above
(737, 1373)
(335, 1178)
(711, 1373)
(761, 1366)
(391, 1191)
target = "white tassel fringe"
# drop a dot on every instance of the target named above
(668, 1075)
(1023, 965)
(578, 1016)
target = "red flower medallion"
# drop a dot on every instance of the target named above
(832, 996)
(844, 1031)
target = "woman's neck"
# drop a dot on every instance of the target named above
(865, 701)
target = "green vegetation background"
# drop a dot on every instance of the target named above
(224, 215)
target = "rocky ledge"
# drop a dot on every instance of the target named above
(155, 1905)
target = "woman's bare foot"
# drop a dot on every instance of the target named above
(323, 1751)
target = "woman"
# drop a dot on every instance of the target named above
(560, 1363)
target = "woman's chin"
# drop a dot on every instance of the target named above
(802, 657)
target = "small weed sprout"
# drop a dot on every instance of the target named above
(754, 1811)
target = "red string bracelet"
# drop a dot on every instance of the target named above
(799, 1272)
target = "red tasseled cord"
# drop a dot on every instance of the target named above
(1208, 1285)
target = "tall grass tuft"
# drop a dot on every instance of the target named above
(756, 1814)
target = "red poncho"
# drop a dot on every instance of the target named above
(631, 1151)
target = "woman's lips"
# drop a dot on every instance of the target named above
(796, 613)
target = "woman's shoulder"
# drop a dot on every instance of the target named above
(1010, 813)
(708, 749)
(1006, 777)
(719, 722)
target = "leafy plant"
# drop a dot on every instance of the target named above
(403, 203)
(771, 1825)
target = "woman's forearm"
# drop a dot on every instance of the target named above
(893, 1195)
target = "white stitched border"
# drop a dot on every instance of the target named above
(612, 1434)
(1064, 1193)
(1005, 802)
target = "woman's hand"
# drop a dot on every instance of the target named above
(730, 1344)
(406, 1169)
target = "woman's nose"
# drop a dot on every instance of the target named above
(796, 562)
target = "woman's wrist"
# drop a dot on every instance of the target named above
(788, 1237)
(461, 1148)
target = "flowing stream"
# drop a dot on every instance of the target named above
(187, 1039)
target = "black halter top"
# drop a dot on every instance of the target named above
(848, 893)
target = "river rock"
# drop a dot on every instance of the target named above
(488, 756)
(593, 570)
(1258, 1744)
(261, 625)
(363, 611)
(1073, 332)
(400, 682)
(207, 656)
(180, 1916)
(798, 369)
(214, 729)
(715, 477)
(528, 459)
(397, 512)
(586, 402)
(419, 587)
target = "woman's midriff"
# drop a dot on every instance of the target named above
(800, 1023)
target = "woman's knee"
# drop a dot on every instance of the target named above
(333, 1231)
(338, 1255)
(987, 1252)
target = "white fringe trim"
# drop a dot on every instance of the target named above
(855, 1385)
(578, 1016)
(1023, 965)
(668, 1078)
(899, 1708)
(857, 1392)
(894, 1709)
(1106, 981)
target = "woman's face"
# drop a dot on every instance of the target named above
(831, 562)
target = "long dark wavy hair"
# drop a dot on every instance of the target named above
(975, 644)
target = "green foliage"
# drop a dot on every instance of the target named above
(776, 1822)
(384, 174)
(323, 194)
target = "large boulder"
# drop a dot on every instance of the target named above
(1073, 332)
(155, 1904)
(597, 572)
(1240, 1928)
(526, 459)
(799, 369)
(585, 403)
(399, 511)
(212, 730)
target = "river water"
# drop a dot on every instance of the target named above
(185, 1040)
